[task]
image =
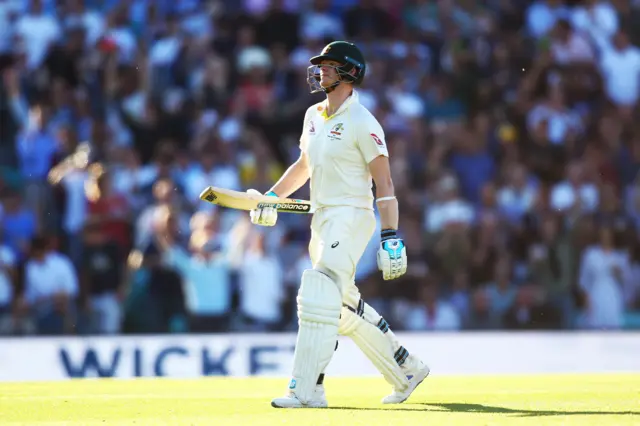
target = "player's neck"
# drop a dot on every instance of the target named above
(336, 98)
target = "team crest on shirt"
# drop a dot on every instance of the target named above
(336, 132)
(377, 139)
(337, 129)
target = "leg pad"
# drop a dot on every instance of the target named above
(319, 305)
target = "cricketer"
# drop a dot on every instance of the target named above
(343, 150)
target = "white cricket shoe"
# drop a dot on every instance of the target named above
(291, 400)
(416, 371)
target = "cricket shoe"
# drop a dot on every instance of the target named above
(416, 371)
(291, 400)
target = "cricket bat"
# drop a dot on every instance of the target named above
(243, 201)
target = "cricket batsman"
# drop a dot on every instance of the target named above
(342, 150)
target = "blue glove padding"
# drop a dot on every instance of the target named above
(392, 255)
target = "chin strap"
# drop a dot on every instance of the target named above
(332, 87)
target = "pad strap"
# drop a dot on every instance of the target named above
(401, 355)
(360, 311)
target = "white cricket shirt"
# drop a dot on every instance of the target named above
(339, 149)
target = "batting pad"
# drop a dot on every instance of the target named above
(377, 342)
(319, 305)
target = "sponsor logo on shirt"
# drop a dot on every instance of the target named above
(377, 139)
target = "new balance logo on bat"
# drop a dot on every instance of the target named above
(286, 206)
(243, 201)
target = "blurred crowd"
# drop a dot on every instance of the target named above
(513, 128)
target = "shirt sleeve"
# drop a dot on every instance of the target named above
(370, 139)
(304, 136)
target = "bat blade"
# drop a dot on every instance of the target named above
(242, 201)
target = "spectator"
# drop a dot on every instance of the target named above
(36, 147)
(101, 277)
(603, 272)
(51, 288)
(367, 19)
(481, 314)
(155, 301)
(38, 30)
(531, 311)
(502, 291)
(130, 178)
(430, 313)
(91, 21)
(109, 209)
(164, 54)
(207, 279)
(452, 250)
(487, 249)
(551, 263)
(35, 144)
(575, 194)
(318, 22)
(278, 26)
(70, 177)
(570, 47)
(472, 163)
(487, 207)
(620, 66)
(450, 207)
(559, 123)
(519, 194)
(165, 195)
(261, 290)
(206, 170)
(20, 224)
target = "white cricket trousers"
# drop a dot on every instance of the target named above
(339, 237)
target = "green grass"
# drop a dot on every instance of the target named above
(488, 400)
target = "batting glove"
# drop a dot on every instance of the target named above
(264, 216)
(392, 255)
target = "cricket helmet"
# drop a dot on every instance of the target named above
(351, 66)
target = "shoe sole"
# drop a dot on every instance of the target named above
(412, 390)
(274, 405)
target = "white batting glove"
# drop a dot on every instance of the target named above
(264, 216)
(392, 255)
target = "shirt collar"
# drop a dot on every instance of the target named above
(354, 98)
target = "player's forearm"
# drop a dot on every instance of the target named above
(387, 203)
(389, 212)
(296, 175)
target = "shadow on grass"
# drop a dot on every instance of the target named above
(489, 409)
(480, 408)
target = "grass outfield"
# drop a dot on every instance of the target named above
(526, 400)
